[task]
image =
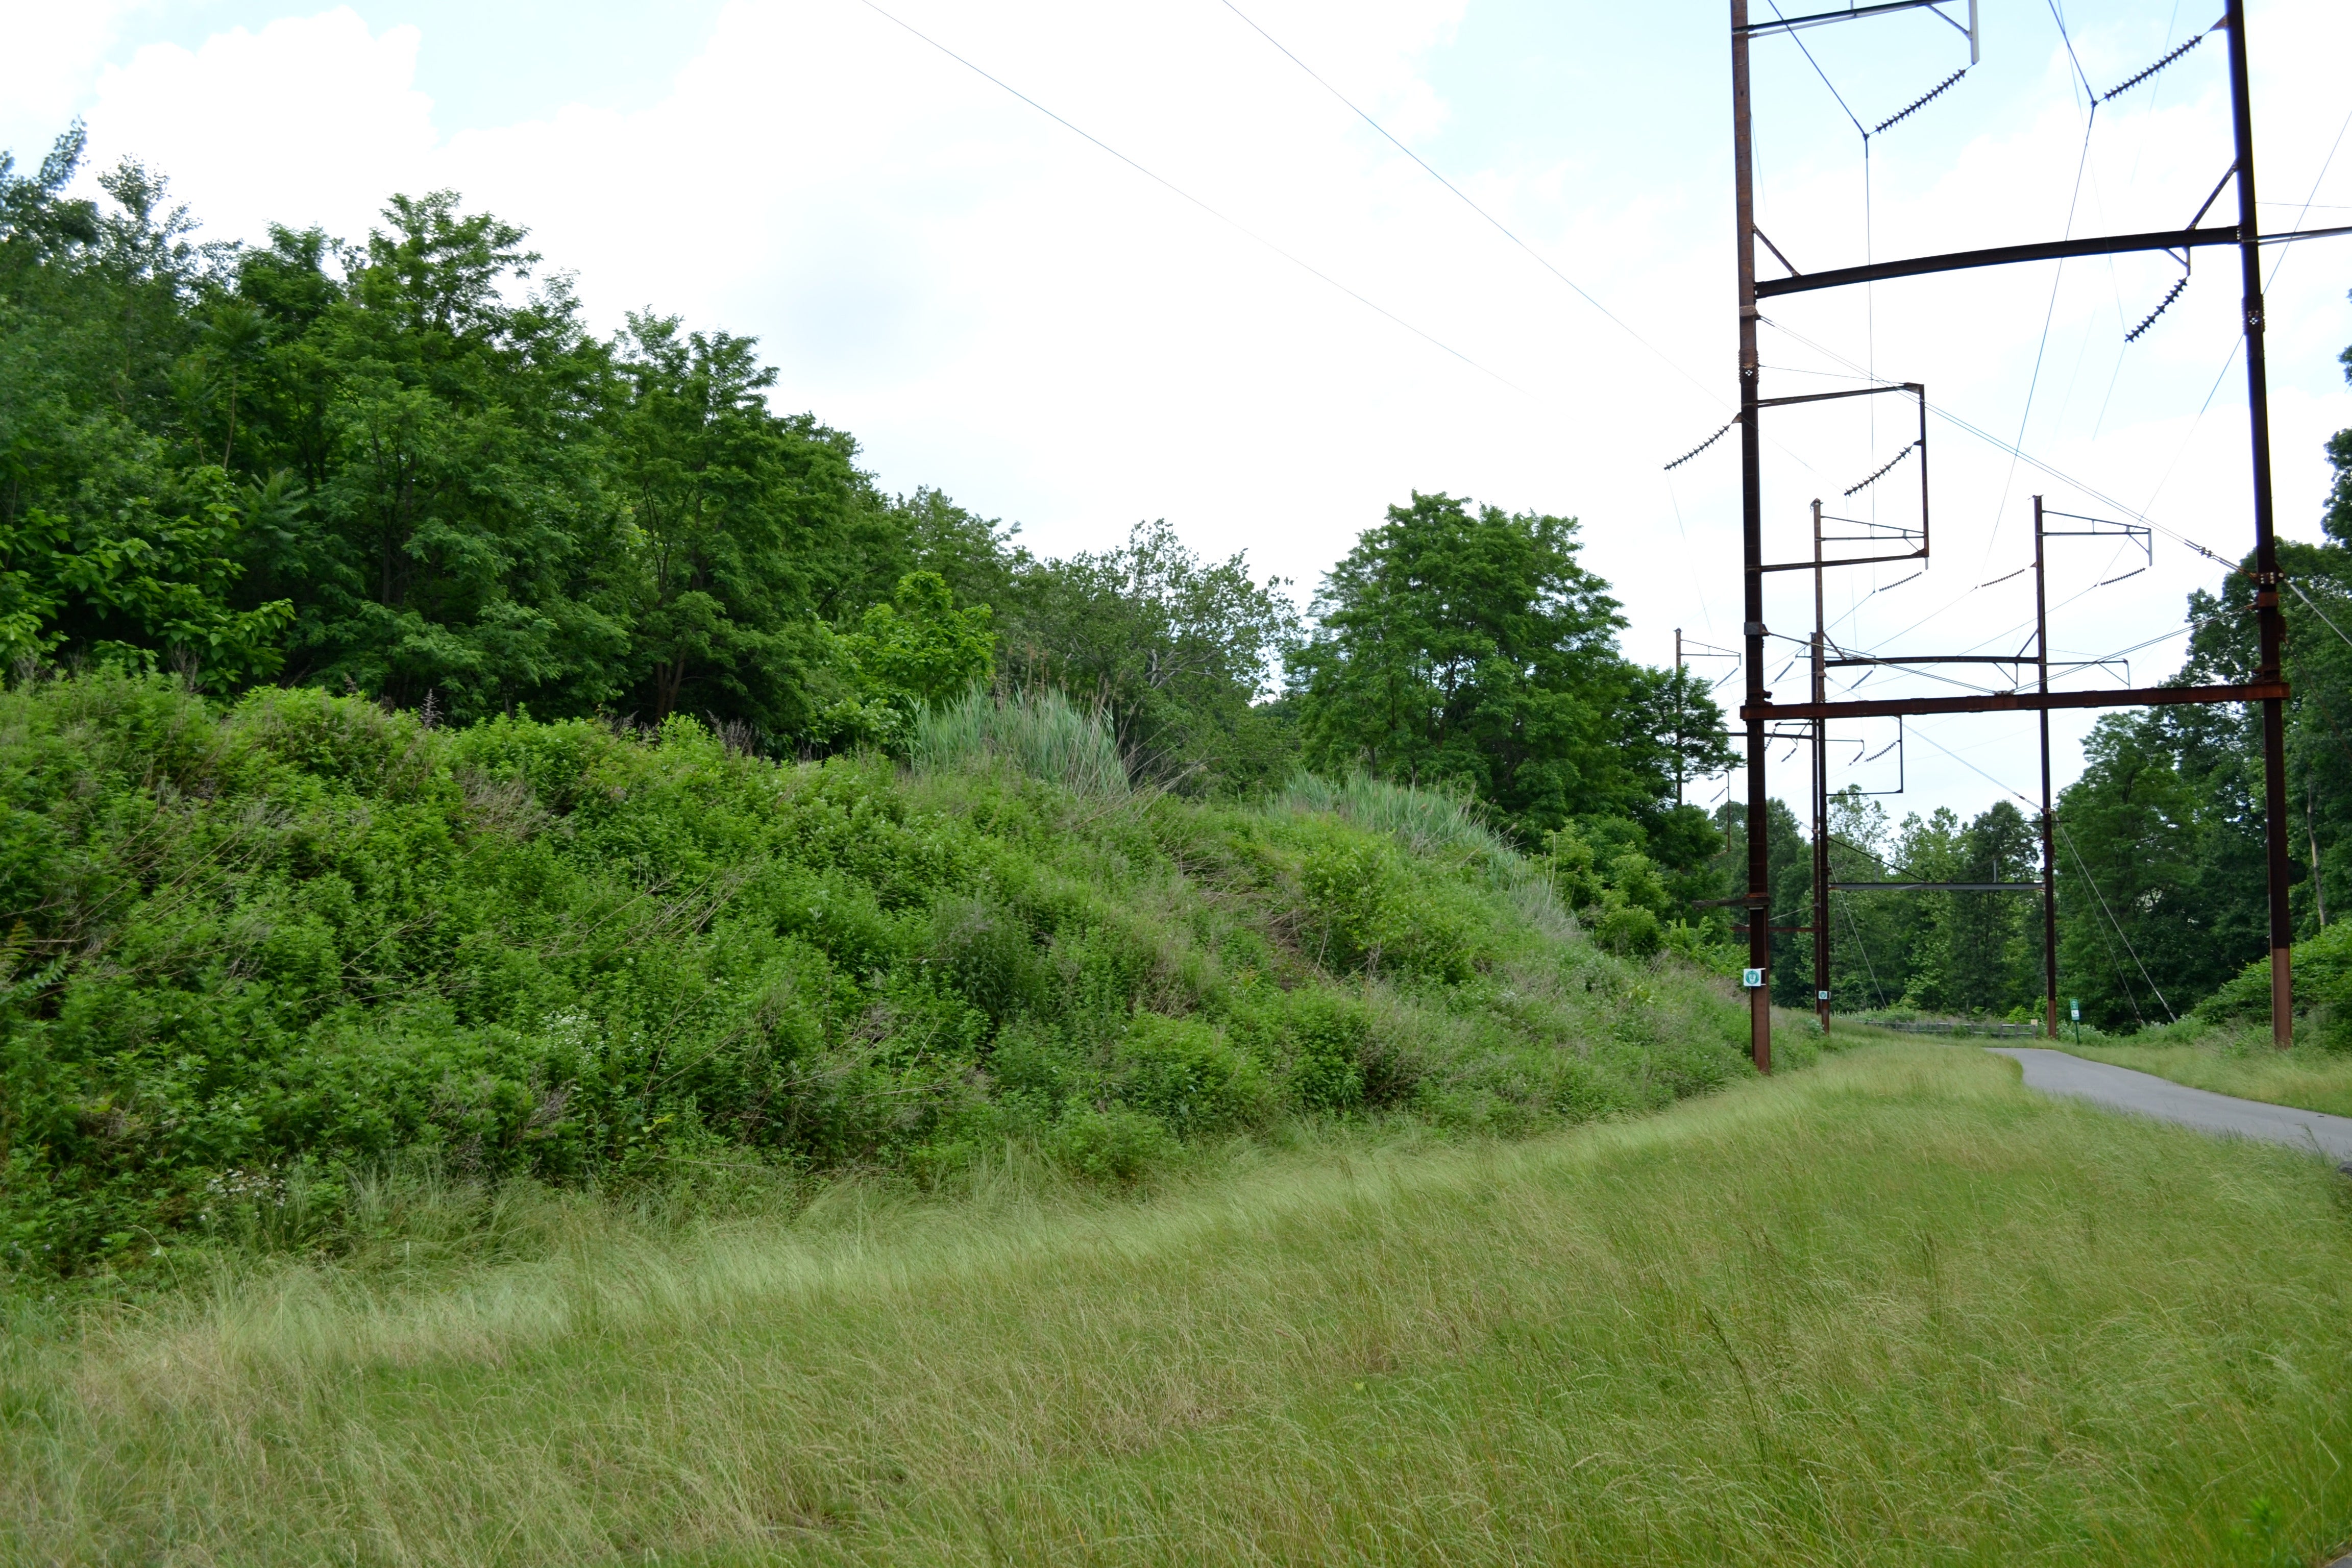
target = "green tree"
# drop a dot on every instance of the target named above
(1179, 652)
(1468, 647)
(727, 507)
(918, 649)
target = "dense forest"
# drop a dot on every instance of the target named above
(405, 468)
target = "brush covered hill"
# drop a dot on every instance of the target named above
(255, 952)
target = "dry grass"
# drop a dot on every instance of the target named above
(1894, 1310)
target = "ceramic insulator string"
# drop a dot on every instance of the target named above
(1925, 99)
(2132, 82)
(1883, 472)
(1702, 446)
(2162, 306)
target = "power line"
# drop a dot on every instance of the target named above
(1878, 990)
(2120, 932)
(2050, 314)
(1500, 227)
(2182, 450)
(2090, 880)
(1170, 185)
(2136, 514)
(2316, 610)
(2088, 90)
(1823, 75)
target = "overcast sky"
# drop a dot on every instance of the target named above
(997, 307)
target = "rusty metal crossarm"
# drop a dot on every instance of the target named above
(1911, 387)
(2020, 701)
(1823, 18)
(1997, 256)
(1935, 887)
(1930, 658)
(1847, 561)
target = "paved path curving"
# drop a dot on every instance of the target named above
(2143, 1094)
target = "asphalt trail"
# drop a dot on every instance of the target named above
(2143, 1094)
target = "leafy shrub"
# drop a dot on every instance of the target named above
(1112, 1145)
(1325, 1035)
(287, 945)
(2323, 986)
(981, 951)
(1368, 913)
(1190, 1077)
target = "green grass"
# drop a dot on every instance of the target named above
(2236, 1061)
(1041, 733)
(1893, 1310)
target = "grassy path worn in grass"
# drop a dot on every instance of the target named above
(1894, 1310)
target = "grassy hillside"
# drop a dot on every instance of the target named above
(272, 971)
(1896, 1310)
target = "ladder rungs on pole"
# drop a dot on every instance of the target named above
(1935, 887)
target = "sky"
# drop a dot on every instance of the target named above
(1157, 268)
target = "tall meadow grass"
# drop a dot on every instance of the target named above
(1038, 732)
(1896, 1310)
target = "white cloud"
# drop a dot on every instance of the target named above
(54, 51)
(310, 120)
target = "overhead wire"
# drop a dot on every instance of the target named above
(1177, 190)
(2018, 454)
(1826, 82)
(2089, 880)
(2050, 314)
(2016, 449)
(1877, 990)
(2059, 17)
(2124, 935)
(1500, 227)
(2316, 610)
(2135, 514)
(2180, 450)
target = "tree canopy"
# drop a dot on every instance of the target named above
(1467, 648)
(407, 467)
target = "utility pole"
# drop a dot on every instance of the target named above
(2049, 822)
(1678, 715)
(2266, 572)
(1821, 794)
(1751, 539)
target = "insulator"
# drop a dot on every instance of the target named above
(2152, 71)
(1932, 94)
(2162, 305)
(1702, 446)
(1883, 472)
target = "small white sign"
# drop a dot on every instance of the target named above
(1752, 978)
(1820, 996)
